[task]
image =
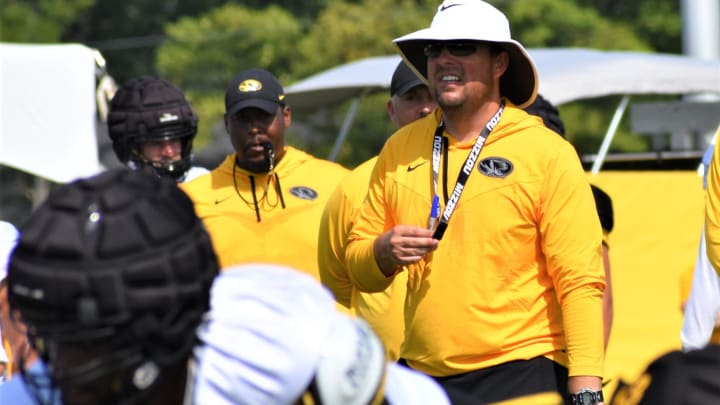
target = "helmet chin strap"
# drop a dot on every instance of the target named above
(175, 169)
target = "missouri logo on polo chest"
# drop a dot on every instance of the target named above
(305, 193)
(495, 167)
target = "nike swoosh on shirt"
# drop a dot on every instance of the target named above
(443, 8)
(415, 166)
(219, 200)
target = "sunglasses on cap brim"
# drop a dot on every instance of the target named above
(456, 48)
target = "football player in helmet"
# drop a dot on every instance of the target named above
(152, 127)
(112, 276)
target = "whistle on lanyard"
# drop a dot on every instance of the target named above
(269, 156)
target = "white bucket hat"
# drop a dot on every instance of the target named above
(475, 20)
(271, 330)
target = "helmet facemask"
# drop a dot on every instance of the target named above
(174, 169)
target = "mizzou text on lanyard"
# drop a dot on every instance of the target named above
(463, 176)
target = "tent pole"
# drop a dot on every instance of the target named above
(610, 134)
(347, 123)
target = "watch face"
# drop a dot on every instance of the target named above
(586, 397)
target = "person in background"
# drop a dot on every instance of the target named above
(700, 303)
(264, 202)
(259, 347)
(712, 208)
(8, 337)
(700, 291)
(675, 378)
(112, 276)
(22, 358)
(152, 127)
(493, 220)
(550, 115)
(603, 203)
(409, 100)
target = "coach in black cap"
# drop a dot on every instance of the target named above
(262, 204)
(409, 97)
(254, 88)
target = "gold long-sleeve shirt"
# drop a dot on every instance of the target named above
(518, 273)
(286, 236)
(382, 310)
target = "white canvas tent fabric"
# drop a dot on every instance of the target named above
(48, 110)
(566, 74)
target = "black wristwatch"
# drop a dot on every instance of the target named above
(586, 396)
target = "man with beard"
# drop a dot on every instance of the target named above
(493, 219)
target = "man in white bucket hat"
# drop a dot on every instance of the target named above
(492, 217)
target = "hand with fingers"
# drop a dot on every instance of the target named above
(402, 245)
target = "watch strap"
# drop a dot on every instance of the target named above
(587, 396)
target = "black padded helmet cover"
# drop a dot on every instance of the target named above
(122, 252)
(149, 109)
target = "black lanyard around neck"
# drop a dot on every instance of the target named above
(463, 176)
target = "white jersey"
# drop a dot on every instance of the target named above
(194, 172)
(703, 304)
(271, 331)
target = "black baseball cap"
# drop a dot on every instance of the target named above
(254, 88)
(403, 80)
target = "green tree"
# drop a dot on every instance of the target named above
(656, 21)
(203, 53)
(202, 50)
(305, 11)
(567, 23)
(37, 20)
(128, 32)
(346, 31)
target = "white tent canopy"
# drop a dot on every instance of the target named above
(48, 110)
(566, 74)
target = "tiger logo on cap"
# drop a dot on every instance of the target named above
(250, 85)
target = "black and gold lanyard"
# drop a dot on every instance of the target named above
(467, 168)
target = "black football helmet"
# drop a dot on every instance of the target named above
(148, 109)
(112, 276)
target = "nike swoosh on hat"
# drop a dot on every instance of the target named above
(443, 8)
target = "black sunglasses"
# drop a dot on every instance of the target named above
(433, 49)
